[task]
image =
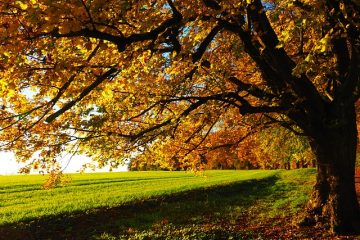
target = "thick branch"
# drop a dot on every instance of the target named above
(252, 89)
(120, 41)
(269, 75)
(261, 109)
(83, 94)
(205, 43)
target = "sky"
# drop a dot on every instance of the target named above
(8, 164)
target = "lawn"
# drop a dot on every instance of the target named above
(160, 205)
(22, 199)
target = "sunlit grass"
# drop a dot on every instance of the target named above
(22, 199)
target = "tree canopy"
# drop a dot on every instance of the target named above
(109, 78)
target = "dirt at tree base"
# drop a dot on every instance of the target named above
(244, 228)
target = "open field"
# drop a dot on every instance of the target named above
(160, 205)
(22, 199)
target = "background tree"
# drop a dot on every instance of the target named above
(280, 148)
(244, 145)
(110, 78)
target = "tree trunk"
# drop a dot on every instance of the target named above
(313, 163)
(287, 165)
(334, 199)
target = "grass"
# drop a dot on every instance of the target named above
(158, 205)
(22, 199)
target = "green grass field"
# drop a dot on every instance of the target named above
(152, 205)
(21, 197)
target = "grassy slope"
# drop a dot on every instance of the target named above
(248, 210)
(222, 205)
(22, 199)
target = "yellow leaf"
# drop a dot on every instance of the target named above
(280, 45)
(107, 93)
(7, 54)
(22, 5)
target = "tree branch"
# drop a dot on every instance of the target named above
(84, 93)
(205, 43)
(252, 89)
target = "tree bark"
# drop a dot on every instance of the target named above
(334, 199)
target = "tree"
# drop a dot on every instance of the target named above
(265, 146)
(110, 78)
(279, 147)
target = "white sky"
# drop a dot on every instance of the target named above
(8, 164)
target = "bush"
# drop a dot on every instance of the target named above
(56, 179)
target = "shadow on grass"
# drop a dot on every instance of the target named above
(195, 206)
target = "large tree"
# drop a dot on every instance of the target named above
(114, 77)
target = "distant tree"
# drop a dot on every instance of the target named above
(110, 78)
(268, 148)
(280, 148)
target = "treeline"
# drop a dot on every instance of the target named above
(270, 148)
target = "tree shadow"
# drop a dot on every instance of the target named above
(178, 209)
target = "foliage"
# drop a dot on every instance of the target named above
(112, 79)
(281, 148)
(269, 148)
(56, 179)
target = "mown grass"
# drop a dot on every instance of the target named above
(162, 205)
(22, 199)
